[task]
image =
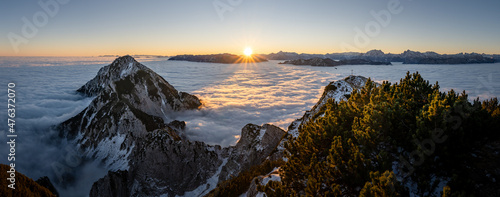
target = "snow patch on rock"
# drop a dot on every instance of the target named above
(211, 183)
(110, 153)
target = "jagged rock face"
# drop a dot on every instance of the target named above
(163, 163)
(111, 185)
(255, 145)
(142, 87)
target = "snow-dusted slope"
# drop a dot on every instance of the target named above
(336, 90)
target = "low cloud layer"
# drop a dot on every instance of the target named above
(234, 95)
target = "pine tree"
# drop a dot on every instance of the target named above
(344, 149)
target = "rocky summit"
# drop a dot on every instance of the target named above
(126, 126)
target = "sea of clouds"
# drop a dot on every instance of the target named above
(233, 96)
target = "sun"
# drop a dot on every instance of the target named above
(248, 51)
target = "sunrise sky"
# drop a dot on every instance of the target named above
(89, 28)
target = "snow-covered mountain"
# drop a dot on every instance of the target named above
(131, 100)
(125, 128)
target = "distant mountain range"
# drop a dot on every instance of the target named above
(375, 56)
(407, 57)
(329, 62)
(224, 58)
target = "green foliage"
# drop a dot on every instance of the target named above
(429, 134)
(25, 186)
(446, 191)
(330, 87)
(380, 185)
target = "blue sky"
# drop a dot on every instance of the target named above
(195, 26)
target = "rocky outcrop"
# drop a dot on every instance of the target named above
(255, 145)
(262, 180)
(113, 184)
(224, 58)
(330, 62)
(164, 164)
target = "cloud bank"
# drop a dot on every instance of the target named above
(234, 95)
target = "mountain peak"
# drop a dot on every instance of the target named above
(119, 69)
(124, 59)
(130, 101)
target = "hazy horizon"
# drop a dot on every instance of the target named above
(93, 28)
(237, 53)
